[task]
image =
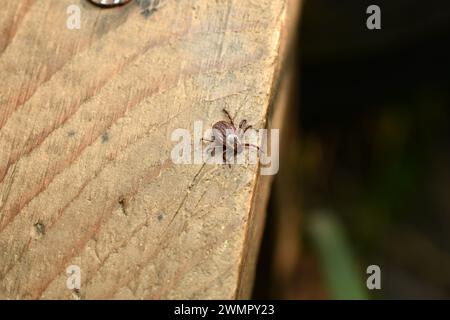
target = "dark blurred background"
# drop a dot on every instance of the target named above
(365, 177)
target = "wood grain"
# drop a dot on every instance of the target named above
(85, 139)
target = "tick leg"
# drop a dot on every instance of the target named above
(243, 126)
(225, 158)
(252, 145)
(228, 116)
(209, 146)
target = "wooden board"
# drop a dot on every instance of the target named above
(86, 118)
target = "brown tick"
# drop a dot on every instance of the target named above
(229, 138)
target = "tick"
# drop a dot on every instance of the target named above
(226, 135)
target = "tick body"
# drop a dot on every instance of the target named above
(109, 3)
(227, 136)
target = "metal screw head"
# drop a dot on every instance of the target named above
(109, 3)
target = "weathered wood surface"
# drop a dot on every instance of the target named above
(86, 118)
